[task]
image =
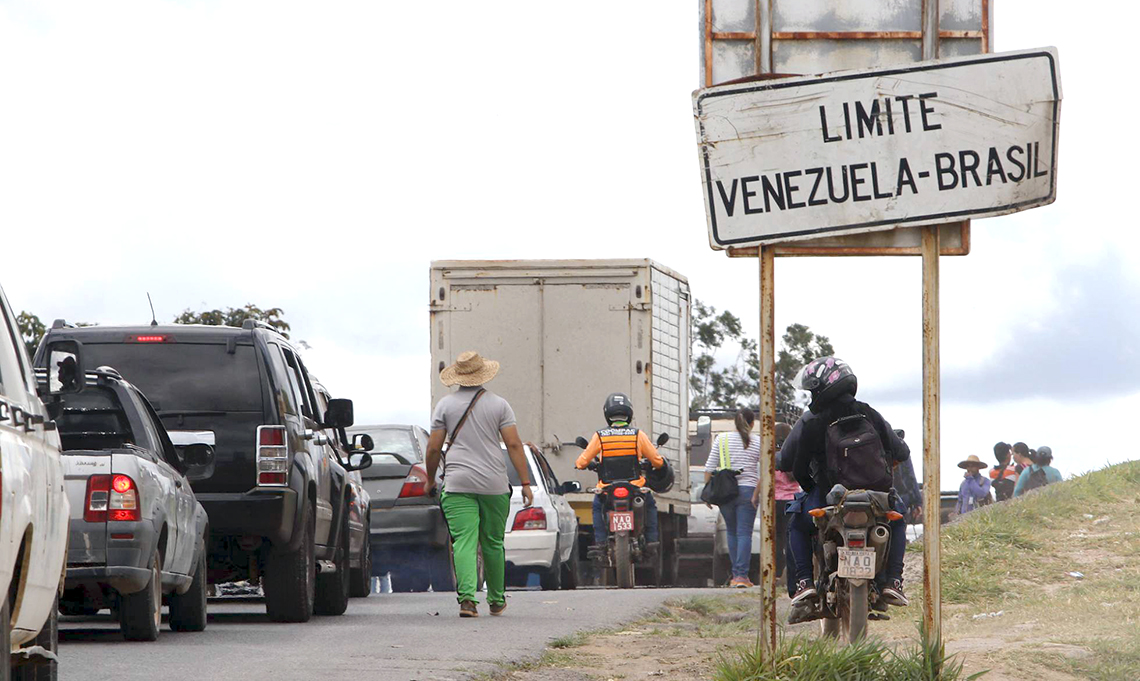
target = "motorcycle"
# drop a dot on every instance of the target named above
(624, 505)
(852, 548)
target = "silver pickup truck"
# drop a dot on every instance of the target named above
(137, 531)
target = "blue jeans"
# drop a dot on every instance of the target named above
(602, 530)
(739, 517)
(801, 529)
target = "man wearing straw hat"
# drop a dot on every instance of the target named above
(975, 489)
(476, 496)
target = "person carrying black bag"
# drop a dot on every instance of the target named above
(732, 474)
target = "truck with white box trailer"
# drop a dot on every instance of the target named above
(568, 333)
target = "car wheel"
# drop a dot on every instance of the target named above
(188, 610)
(360, 583)
(48, 638)
(551, 578)
(290, 580)
(140, 613)
(442, 573)
(571, 573)
(332, 590)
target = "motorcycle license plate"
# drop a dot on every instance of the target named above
(856, 563)
(621, 520)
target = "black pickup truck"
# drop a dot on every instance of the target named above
(277, 491)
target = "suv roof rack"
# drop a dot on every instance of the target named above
(251, 323)
(61, 324)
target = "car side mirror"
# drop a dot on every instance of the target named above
(581, 442)
(65, 367)
(362, 442)
(339, 413)
(199, 454)
(662, 439)
(570, 487)
(359, 461)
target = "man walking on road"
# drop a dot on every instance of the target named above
(476, 496)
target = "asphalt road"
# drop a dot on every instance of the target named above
(389, 637)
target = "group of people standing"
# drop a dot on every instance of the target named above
(1019, 470)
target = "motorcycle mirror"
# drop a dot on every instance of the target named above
(662, 439)
(581, 442)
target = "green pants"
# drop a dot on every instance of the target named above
(478, 521)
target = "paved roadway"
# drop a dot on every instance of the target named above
(386, 637)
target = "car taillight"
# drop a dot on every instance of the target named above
(415, 485)
(111, 497)
(621, 492)
(272, 456)
(532, 518)
(153, 338)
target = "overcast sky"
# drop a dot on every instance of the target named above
(318, 156)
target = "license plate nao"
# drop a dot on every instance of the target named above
(856, 563)
(621, 520)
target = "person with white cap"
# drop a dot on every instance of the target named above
(476, 495)
(975, 488)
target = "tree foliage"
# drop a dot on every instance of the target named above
(234, 316)
(715, 385)
(32, 330)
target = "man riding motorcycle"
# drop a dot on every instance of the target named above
(619, 439)
(832, 385)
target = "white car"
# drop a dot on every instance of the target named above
(34, 511)
(544, 537)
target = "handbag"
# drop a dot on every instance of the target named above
(722, 487)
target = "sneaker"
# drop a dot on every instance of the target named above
(467, 609)
(892, 594)
(498, 608)
(803, 612)
(805, 592)
(741, 583)
(596, 551)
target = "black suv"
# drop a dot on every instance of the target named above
(275, 492)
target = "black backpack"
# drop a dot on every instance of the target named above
(1037, 478)
(1003, 486)
(856, 458)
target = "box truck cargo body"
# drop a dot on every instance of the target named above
(568, 333)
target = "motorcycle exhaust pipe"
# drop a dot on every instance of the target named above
(638, 501)
(879, 535)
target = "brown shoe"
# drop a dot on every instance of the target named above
(498, 608)
(467, 609)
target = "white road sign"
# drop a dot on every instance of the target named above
(861, 151)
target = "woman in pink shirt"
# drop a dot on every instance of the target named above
(786, 490)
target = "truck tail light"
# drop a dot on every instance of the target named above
(272, 456)
(111, 497)
(532, 518)
(415, 485)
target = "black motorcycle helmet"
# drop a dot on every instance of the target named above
(618, 408)
(826, 378)
(660, 480)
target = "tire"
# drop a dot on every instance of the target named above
(623, 562)
(571, 574)
(360, 580)
(290, 580)
(722, 569)
(411, 579)
(140, 613)
(48, 638)
(441, 572)
(188, 610)
(332, 590)
(857, 613)
(829, 627)
(551, 578)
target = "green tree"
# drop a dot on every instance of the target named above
(32, 330)
(798, 346)
(234, 316)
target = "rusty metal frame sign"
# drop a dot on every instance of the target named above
(869, 150)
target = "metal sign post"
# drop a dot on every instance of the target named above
(768, 450)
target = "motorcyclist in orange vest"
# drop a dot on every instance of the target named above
(619, 439)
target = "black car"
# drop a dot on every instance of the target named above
(409, 536)
(276, 490)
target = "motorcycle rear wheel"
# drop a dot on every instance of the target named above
(623, 562)
(856, 616)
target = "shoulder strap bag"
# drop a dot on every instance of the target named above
(722, 487)
(459, 426)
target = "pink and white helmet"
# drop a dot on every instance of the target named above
(826, 378)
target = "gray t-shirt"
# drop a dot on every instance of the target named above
(475, 463)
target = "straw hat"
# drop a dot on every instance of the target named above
(469, 370)
(972, 462)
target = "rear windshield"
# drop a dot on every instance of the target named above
(94, 419)
(185, 376)
(388, 440)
